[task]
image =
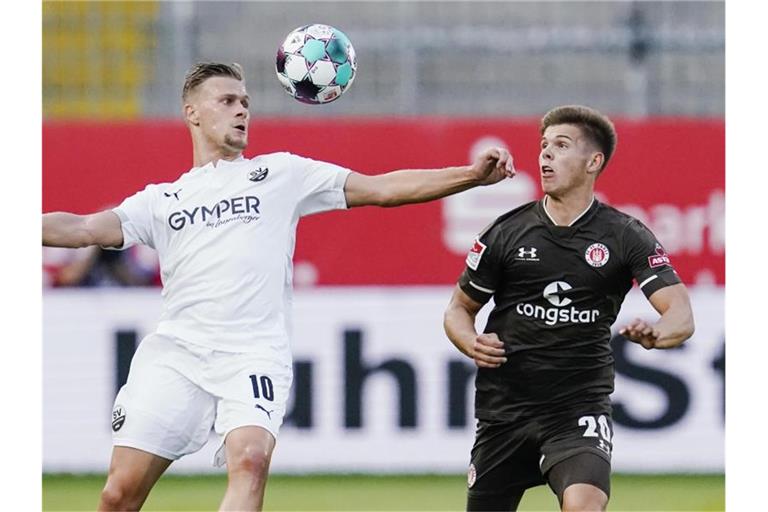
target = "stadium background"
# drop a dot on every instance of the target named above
(436, 82)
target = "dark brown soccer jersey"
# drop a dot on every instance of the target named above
(557, 291)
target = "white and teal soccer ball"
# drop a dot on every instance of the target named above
(316, 64)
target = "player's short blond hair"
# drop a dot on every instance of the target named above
(596, 126)
(202, 71)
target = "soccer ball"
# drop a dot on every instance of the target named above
(316, 64)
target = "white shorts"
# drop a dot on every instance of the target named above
(177, 392)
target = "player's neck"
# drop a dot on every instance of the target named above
(203, 154)
(565, 210)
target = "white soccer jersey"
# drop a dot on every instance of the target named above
(225, 239)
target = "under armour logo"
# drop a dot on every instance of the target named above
(174, 194)
(269, 413)
(259, 174)
(527, 254)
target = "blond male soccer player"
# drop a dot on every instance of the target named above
(225, 233)
(558, 270)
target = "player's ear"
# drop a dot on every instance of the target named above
(595, 163)
(191, 115)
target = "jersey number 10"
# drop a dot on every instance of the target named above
(262, 387)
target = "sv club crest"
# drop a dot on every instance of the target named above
(258, 174)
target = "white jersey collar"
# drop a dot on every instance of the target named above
(220, 163)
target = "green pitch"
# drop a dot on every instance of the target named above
(412, 492)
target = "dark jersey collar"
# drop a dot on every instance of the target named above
(585, 216)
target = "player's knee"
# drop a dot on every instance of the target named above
(118, 494)
(111, 497)
(252, 459)
(584, 498)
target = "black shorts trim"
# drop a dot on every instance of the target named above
(567, 454)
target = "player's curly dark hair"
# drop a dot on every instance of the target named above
(596, 126)
(202, 71)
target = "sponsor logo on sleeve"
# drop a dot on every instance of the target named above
(475, 253)
(659, 259)
(597, 255)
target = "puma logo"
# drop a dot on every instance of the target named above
(269, 413)
(174, 194)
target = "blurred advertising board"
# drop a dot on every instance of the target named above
(668, 172)
(377, 385)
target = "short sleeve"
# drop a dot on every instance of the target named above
(135, 214)
(321, 186)
(483, 271)
(649, 263)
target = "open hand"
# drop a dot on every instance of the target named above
(493, 165)
(488, 351)
(640, 331)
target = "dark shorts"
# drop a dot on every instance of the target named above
(513, 456)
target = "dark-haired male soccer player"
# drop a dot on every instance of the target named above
(558, 270)
(225, 232)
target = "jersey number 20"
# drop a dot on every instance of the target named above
(592, 424)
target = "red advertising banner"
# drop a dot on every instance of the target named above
(669, 173)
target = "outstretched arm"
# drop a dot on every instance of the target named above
(673, 328)
(61, 229)
(459, 323)
(420, 185)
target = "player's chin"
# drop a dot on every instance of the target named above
(548, 186)
(238, 142)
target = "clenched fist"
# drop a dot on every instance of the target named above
(493, 165)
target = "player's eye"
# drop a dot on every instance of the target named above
(563, 145)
